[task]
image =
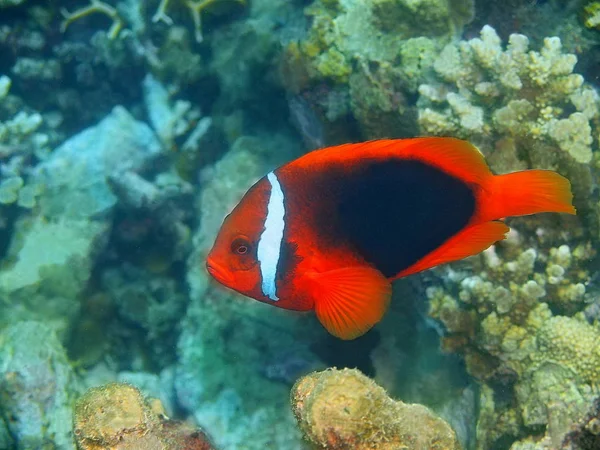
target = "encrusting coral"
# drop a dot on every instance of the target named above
(344, 409)
(116, 417)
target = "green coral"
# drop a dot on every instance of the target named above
(591, 15)
(344, 409)
(429, 17)
(353, 31)
(374, 51)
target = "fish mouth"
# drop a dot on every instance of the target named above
(218, 272)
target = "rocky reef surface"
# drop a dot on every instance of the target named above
(129, 129)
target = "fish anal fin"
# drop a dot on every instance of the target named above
(350, 300)
(468, 242)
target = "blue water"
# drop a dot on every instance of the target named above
(129, 129)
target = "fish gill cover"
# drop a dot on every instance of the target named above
(130, 128)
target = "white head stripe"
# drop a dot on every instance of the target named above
(269, 244)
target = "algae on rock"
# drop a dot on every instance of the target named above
(37, 386)
(53, 251)
(117, 417)
(344, 409)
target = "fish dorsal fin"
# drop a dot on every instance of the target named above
(349, 301)
(454, 156)
(468, 242)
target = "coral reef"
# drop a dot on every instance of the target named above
(24, 138)
(513, 317)
(344, 409)
(533, 90)
(362, 59)
(37, 387)
(506, 322)
(152, 302)
(196, 10)
(116, 416)
(129, 129)
(72, 220)
(586, 435)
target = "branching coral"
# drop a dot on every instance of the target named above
(95, 6)
(344, 409)
(532, 99)
(504, 320)
(21, 140)
(196, 8)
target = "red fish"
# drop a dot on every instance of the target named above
(329, 231)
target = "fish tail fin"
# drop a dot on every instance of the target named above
(527, 192)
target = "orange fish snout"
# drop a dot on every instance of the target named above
(218, 272)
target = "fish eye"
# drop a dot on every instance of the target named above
(240, 246)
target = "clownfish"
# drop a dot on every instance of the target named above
(330, 230)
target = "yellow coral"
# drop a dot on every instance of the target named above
(196, 7)
(572, 344)
(591, 15)
(344, 409)
(110, 414)
(95, 6)
(116, 417)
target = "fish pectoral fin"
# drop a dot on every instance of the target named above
(468, 242)
(349, 301)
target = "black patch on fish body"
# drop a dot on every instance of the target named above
(395, 212)
(288, 260)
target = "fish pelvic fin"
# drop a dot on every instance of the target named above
(468, 242)
(349, 301)
(526, 192)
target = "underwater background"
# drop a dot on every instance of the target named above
(130, 128)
